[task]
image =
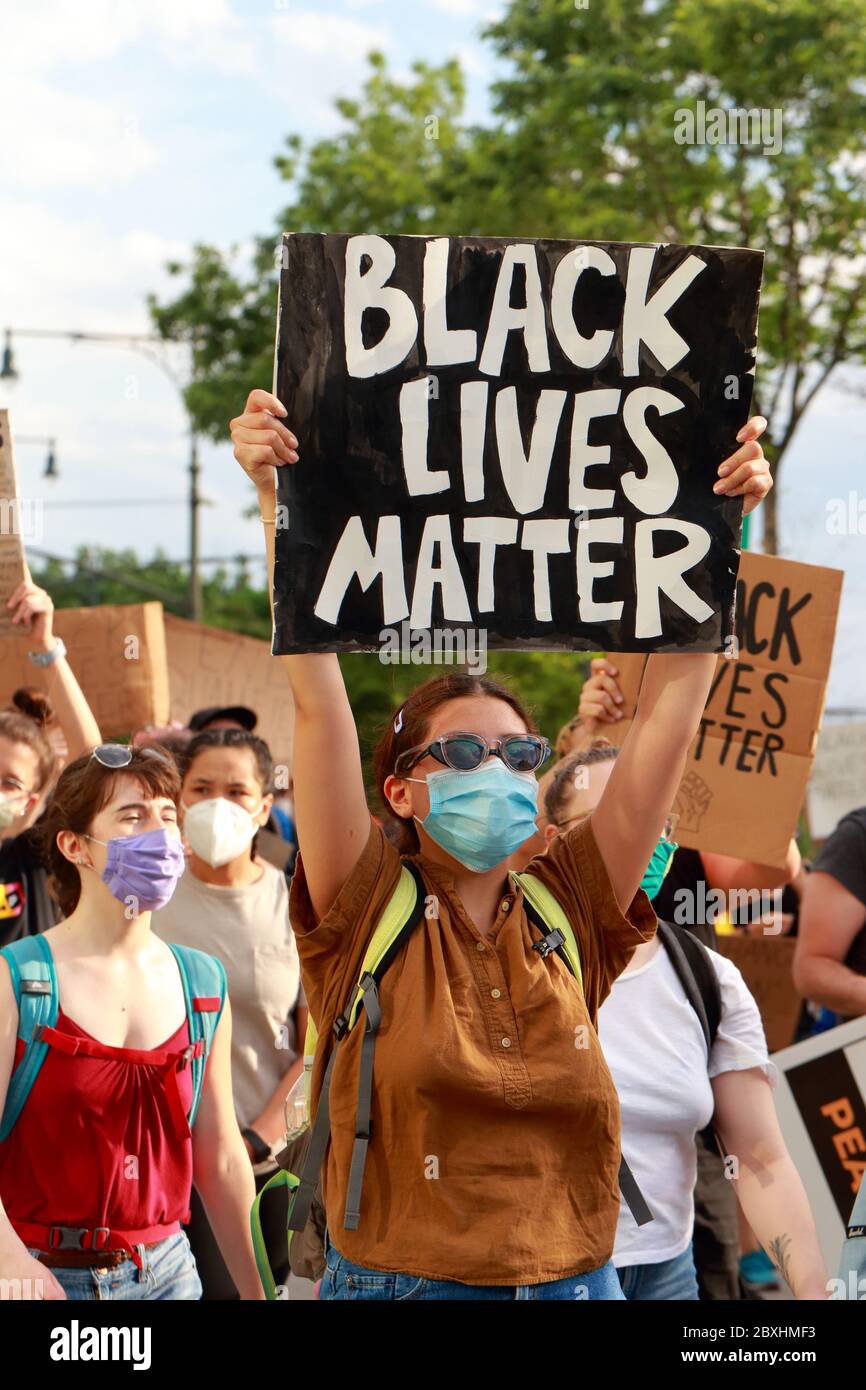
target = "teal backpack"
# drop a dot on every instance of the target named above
(403, 912)
(35, 983)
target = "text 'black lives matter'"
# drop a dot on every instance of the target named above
(515, 436)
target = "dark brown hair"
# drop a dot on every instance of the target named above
(82, 790)
(408, 727)
(561, 789)
(232, 738)
(23, 721)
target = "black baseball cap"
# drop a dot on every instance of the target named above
(202, 718)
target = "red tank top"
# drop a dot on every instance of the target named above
(102, 1139)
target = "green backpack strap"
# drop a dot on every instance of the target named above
(280, 1179)
(543, 908)
(204, 992)
(558, 935)
(400, 916)
(34, 981)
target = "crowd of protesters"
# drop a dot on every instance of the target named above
(562, 1075)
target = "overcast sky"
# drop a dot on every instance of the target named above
(130, 129)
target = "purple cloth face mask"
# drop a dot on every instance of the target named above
(143, 867)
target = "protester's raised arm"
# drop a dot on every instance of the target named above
(331, 813)
(629, 818)
(33, 613)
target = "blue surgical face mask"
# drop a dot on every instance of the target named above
(483, 816)
(658, 867)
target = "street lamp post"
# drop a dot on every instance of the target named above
(51, 469)
(146, 345)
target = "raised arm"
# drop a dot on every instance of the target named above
(629, 818)
(331, 812)
(33, 611)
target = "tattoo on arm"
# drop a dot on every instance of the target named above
(779, 1253)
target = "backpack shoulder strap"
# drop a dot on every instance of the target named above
(400, 916)
(402, 913)
(204, 992)
(549, 916)
(34, 981)
(546, 912)
(694, 970)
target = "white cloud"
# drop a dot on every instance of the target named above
(322, 56)
(344, 41)
(468, 9)
(61, 137)
(51, 34)
(55, 272)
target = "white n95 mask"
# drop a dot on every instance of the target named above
(218, 830)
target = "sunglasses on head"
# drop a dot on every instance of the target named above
(465, 752)
(117, 755)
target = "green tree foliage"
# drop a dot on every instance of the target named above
(582, 145)
(98, 575)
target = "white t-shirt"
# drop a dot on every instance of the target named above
(656, 1052)
(248, 930)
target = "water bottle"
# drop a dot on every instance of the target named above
(295, 1110)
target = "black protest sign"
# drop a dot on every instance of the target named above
(519, 437)
(832, 1109)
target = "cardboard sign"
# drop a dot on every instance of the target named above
(838, 781)
(12, 566)
(209, 666)
(748, 767)
(515, 437)
(117, 652)
(821, 1104)
(765, 964)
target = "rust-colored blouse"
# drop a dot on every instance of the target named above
(494, 1154)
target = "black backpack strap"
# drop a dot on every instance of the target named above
(693, 967)
(694, 970)
(553, 940)
(321, 1131)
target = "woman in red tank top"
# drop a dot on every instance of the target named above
(102, 1151)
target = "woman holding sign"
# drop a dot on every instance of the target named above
(489, 1166)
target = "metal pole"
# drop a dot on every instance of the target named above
(194, 604)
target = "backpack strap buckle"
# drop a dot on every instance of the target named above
(35, 986)
(72, 1238)
(551, 942)
(341, 1027)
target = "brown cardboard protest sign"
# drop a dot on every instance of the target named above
(12, 566)
(748, 767)
(209, 666)
(118, 654)
(765, 964)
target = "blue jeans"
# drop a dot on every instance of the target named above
(168, 1271)
(667, 1281)
(344, 1280)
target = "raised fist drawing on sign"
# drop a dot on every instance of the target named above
(692, 801)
